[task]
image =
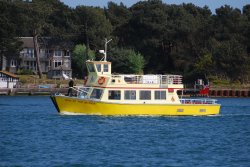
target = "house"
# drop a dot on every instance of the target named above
(8, 80)
(55, 56)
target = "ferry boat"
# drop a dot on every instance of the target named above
(108, 94)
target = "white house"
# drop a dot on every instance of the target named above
(8, 80)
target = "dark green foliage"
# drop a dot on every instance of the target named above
(126, 61)
(79, 57)
(24, 72)
(10, 46)
(93, 26)
(181, 39)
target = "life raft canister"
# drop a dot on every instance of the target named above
(101, 80)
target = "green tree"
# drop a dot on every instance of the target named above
(231, 59)
(126, 61)
(119, 16)
(93, 26)
(79, 58)
(10, 45)
(205, 65)
(136, 62)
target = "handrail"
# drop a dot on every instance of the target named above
(79, 89)
(198, 101)
(150, 79)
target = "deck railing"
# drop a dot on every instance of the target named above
(150, 79)
(198, 101)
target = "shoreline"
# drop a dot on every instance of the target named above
(48, 91)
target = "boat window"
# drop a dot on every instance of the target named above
(145, 95)
(83, 92)
(98, 67)
(106, 68)
(96, 94)
(130, 95)
(160, 95)
(91, 67)
(114, 95)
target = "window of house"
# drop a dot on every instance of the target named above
(30, 52)
(160, 95)
(58, 53)
(57, 63)
(98, 67)
(67, 53)
(114, 95)
(129, 94)
(68, 73)
(57, 73)
(96, 94)
(34, 63)
(13, 63)
(48, 53)
(145, 95)
(105, 68)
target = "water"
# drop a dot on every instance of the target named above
(32, 133)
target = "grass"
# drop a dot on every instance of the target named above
(220, 83)
(35, 80)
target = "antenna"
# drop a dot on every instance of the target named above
(106, 48)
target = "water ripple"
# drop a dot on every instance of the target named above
(34, 134)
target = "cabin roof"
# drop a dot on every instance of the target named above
(9, 74)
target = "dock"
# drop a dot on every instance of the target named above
(216, 93)
(229, 93)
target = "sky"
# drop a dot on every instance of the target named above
(212, 4)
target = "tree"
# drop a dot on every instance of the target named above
(126, 61)
(145, 32)
(231, 58)
(38, 11)
(93, 26)
(136, 62)
(10, 45)
(119, 16)
(79, 58)
(205, 65)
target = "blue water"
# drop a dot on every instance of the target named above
(32, 133)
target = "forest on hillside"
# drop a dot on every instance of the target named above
(179, 39)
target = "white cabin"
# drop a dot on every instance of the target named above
(101, 85)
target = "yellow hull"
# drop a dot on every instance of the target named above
(71, 105)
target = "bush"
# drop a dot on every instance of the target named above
(24, 72)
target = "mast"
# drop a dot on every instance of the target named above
(105, 49)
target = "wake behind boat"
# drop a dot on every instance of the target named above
(107, 94)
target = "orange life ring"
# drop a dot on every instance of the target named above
(101, 80)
